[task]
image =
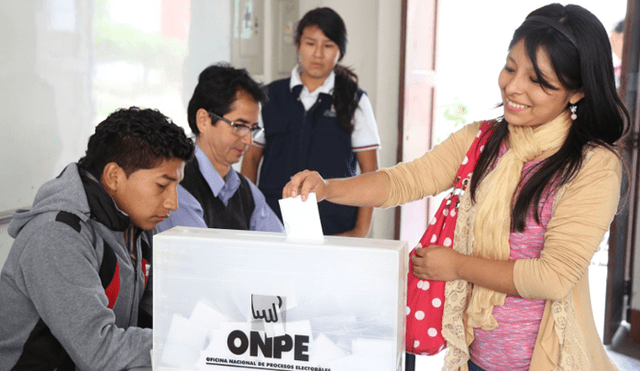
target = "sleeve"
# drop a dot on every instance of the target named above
(580, 219)
(189, 213)
(263, 218)
(432, 173)
(60, 273)
(365, 132)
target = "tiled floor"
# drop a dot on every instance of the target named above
(624, 352)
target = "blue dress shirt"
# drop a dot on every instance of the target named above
(189, 213)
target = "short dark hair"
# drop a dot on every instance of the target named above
(217, 88)
(135, 139)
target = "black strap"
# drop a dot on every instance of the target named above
(69, 219)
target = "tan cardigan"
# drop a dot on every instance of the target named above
(582, 213)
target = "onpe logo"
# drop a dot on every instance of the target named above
(267, 308)
(273, 341)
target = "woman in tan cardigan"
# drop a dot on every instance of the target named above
(541, 197)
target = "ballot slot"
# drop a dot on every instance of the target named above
(260, 300)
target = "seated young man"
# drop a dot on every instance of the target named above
(223, 115)
(75, 282)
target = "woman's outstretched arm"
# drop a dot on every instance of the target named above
(365, 190)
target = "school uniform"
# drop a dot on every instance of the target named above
(301, 131)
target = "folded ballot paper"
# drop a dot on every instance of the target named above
(301, 219)
(244, 300)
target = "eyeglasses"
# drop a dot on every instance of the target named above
(238, 129)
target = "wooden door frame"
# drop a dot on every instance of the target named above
(402, 96)
(622, 238)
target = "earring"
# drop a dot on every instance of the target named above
(573, 109)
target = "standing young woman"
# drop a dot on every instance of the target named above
(542, 195)
(318, 119)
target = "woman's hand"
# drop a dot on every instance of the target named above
(365, 190)
(440, 263)
(435, 262)
(304, 183)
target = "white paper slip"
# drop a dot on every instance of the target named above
(301, 219)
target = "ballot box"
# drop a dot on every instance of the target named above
(246, 300)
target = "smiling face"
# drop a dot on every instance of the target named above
(217, 139)
(146, 195)
(318, 55)
(526, 102)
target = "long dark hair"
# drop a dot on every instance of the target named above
(587, 67)
(345, 92)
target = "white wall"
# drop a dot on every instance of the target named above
(208, 18)
(45, 93)
(386, 103)
(5, 243)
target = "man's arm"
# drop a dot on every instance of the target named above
(60, 272)
(263, 218)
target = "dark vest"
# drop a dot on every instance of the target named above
(235, 215)
(297, 140)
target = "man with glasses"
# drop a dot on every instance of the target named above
(223, 115)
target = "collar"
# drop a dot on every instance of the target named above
(221, 188)
(103, 207)
(325, 88)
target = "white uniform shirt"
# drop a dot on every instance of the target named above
(365, 132)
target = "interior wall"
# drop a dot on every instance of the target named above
(386, 103)
(5, 243)
(45, 93)
(208, 18)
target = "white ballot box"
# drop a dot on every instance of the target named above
(243, 300)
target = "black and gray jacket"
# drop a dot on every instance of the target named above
(69, 292)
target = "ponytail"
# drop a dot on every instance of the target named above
(345, 96)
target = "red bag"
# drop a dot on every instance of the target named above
(425, 298)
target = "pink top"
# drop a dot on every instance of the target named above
(510, 345)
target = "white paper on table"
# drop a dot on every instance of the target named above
(301, 219)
